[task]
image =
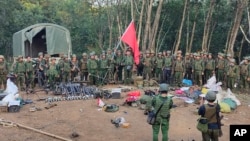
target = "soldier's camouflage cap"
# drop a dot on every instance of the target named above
(232, 60)
(73, 55)
(108, 49)
(198, 54)
(40, 53)
(159, 53)
(195, 54)
(229, 55)
(84, 54)
(147, 52)
(92, 54)
(20, 56)
(1, 56)
(187, 54)
(65, 56)
(248, 58)
(53, 58)
(152, 52)
(210, 54)
(168, 52)
(221, 54)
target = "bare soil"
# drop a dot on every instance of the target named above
(84, 118)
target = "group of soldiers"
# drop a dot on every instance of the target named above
(118, 66)
(197, 67)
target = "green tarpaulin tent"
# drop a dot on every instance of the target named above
(43, 37)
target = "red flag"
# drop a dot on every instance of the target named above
(129, 37)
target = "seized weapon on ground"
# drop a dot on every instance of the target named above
(6, 123)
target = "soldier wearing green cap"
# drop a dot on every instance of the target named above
(147, 70)
(232, 74)
(188, 66)
(83, 67)
(159, 67)
(20, 73)
(210, 67)
(163, 116)
(103, 67)
(167, 67)
(29, 73)
(75, 70)
(220, 65)
(198, 70)
(3, 72)
(128, 66)
(52, 73)
(66, 69)
(93, 69)
(243, 68)
(119, 66)
(178, 70)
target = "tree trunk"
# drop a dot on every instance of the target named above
(147, 27)
(181, 26)
(241, 4)
(154, 30)
(207, 26)
(140, 24)
(193, 30)
(210, 37)
(241, 46)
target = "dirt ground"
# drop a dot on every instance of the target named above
(83, 117)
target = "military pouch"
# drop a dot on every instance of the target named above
(151, 118)
(202, 124)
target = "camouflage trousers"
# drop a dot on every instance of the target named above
(159, 74)
(20, 80)
(147, 72)
(208, 74)
(220, 75)
(65, 77)
(198, 78)
(164, 125)
(243, 82)
(84, 75)
(30, 79)
(211, 135)
(178, 76)
(127, 76)
(230, 82)
(2, 81)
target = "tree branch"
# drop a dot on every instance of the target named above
(245, 36)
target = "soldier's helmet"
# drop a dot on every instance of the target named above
(84, 54)
(1, 57)
(163, 87)
(40, 53)
(147, 52)
(210, 96)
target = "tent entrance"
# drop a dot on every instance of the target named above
(38, 44)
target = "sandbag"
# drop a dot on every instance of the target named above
(230, 102)
(224, 107)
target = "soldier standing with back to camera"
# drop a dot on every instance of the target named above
(3, 72)
(20, 73)
(84, 69)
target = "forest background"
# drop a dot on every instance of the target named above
(189, 25)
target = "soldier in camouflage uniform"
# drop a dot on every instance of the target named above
(103, 65)
(3, 72)
(204, 59)
(232, 74)
(209, 66)
(178, 70)
(20, 73)
(110, 58)
(83, 67)
(66, 69)
(29, 72)
(153, 63)
(220, 65)
(198, 70)
(60, 67)
(243, 74)
(147, 71)
(188, 67)
(167, 67)
(159, 67)
(128, 62)
(93, 69)
(41, 68)
(119, 65)
(74, 64)
(52, 73)
(140, 66)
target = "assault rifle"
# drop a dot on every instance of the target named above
(219, 118)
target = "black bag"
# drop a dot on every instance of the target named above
(152, 116)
